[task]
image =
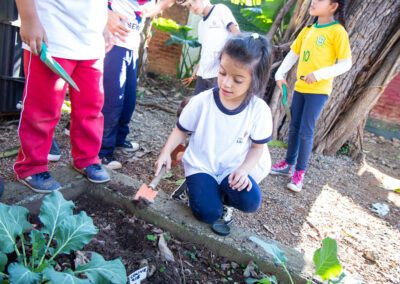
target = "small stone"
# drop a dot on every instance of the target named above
(250, 269)
(151, 270)
(395, 141)
(370, 255)
(225, 266)
(235, 265)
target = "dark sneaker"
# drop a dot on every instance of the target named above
(110, 162)
(128, 146)
(55, 153)
(66, 130)
(296, 183)
(181, 193)
(221, 226)
(94, 173)
(282, 168)
(41, 183)
(1, 187)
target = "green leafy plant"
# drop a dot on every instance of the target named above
(345, 150)
(179, 35)
(69, 231)
(327, 265)
(263, 15)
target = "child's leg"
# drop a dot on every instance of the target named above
(204, 197)
(204, 84)
(296, 111)
(129, 99)
(86, 117)
(312, 109)
(42, 100)
(246, 201)
(115, 75)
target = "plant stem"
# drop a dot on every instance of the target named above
(21, 236)
(47, 247)
(3, 274)
(290, 277)
(309, 280)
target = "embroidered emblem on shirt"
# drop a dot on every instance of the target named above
(241, 139)
(321, 40)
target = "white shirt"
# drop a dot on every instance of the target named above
(221, 138)
(213, 31)
(133, 10)
(74, 28)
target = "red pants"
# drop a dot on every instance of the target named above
(42, 101)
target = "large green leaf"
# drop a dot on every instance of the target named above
(62, 277)
(38, 243)
(53, 211)
(3, 261)
(98, 269)
(19, 215)
(166, 25)
(19, 274)
(326, 261)
(73, 233)
(272, 249)
(9, 228)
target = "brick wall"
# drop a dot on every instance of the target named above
(388, 105)
(161, 58)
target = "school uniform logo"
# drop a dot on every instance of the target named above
(321, 40)
(241, 138)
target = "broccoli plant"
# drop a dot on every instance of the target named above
(62, 232)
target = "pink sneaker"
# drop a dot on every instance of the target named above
(297, 181)
(282, 168)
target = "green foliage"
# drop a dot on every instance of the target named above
(179, 35)
(70, 232)
(277, 143)
(345, 150)
(325, 259)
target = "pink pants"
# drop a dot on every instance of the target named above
(42, 101)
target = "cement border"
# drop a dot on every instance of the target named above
(172, 216)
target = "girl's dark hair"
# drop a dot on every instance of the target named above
(340, 13)
(252, 50)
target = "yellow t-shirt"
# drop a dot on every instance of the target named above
(319, 46)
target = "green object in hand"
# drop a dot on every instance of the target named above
(55, 67)
(285, 103)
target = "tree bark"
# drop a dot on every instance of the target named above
(373, 28)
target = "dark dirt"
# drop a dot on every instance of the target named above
(336, 200)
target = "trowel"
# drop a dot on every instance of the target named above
(55, 67)
(147, 193)
(285, 103)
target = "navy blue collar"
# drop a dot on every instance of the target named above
(209, 13)
(224, 109)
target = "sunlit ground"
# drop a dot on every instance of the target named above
(369, 234)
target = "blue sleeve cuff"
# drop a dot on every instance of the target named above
(181, 127)
(227, 26)
(262, 141)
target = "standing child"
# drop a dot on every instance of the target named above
(318, 46)
(126, 22)
(73, 34)
(214, 29)
(227, 154)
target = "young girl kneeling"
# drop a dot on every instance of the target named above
(227, 154)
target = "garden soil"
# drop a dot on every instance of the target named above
(336, 201)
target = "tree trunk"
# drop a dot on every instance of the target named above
(373, 28)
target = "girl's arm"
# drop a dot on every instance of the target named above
(239, 179)
(175, 138)
(290, 59)
(32, 32)
(158, 8)
(234, 28)
(337, 69)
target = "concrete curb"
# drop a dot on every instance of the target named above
(172, 216)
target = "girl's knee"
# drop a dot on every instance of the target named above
(207, 214)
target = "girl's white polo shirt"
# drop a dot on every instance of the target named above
(221, 137)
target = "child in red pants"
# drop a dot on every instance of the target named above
(73, 34)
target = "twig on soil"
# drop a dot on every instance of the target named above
(163, 108)
(315, 228)
(183, 272)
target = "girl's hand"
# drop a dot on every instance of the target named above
(239, 180)
(279, 83)
(109, 39)
(310, 79)
(33, 34)
(163, 159)
(114, 24)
